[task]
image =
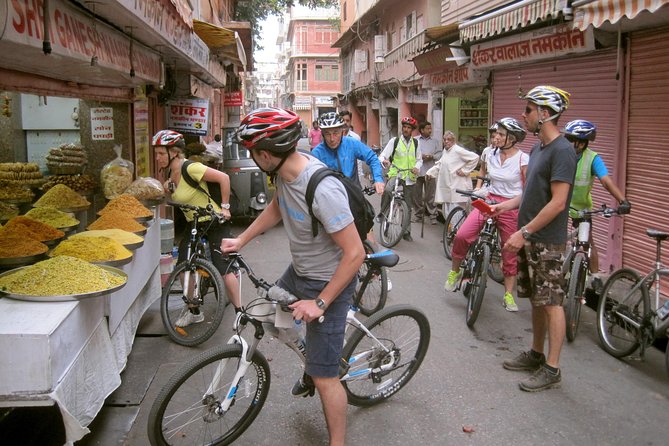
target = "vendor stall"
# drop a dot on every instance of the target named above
(71, 353)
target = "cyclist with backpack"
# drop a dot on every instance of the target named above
(505, 165)
(324, 267)
(169, 147)
(404, 153)
(589, 165)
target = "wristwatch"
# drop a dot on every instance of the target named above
(525, 232)
(320, 303)
(225, 205)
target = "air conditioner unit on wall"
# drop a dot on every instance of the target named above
(379, 47)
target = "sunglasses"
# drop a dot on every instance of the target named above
(528, 110)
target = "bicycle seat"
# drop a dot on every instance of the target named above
(657, 234)
(384, 258)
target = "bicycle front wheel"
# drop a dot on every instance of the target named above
(372, 290)
(205, 292)
(478, 284)
(453, 222)
(188, 409)
(575, 292)
(618, 311)
(376, 367)
(394, 222)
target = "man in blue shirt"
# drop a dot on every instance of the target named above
(339, 153)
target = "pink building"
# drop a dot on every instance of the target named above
(313, 69)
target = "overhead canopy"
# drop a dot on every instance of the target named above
(222, 41)
(597, 12)
(510, 17)
(442, 32)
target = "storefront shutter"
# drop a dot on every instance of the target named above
(595, 96)
(648, 155)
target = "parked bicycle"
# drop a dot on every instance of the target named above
(215, 397)
(577, 267)
(454, 220)
(395, 217)
(626, 320)
(372, 290)
(194, 283)
(477, 261)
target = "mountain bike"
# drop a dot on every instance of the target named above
(455, 219)
(395, 218)
(477, 261)
(214, 397)
(626, 320)
(576, 268)
(195, 285)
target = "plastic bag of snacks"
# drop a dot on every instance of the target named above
(116, 175)
(146, 188)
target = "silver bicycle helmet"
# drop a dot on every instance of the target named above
(514, 128)
(330, 120)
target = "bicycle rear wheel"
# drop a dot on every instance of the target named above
(478, 284)
(575, 292)
(375, 368)
(394, 223)
(208, 295)
(453, 222)
(186, 412)
(372, 290)
(617, 307)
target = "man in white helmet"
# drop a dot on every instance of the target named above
(542, 235)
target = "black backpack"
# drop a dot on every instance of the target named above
(214, 193)
(361, 209)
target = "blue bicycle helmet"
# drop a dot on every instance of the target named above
(581, 129)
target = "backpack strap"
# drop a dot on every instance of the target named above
(191, 181)
(311, 190)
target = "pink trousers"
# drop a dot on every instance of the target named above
(507, 224)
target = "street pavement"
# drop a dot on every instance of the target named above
(461, 386)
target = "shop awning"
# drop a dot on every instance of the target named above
(442, 32)
(597, 12)
(221, 41)
(510, 17)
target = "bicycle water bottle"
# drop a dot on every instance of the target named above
(663, 311)
(300, 332)
(207, 249)
(584, 232)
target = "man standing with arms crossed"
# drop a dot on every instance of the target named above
(423, 194)
(541, 239)
(323, 268)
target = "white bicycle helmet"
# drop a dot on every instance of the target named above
(330, 120)
(513, 127)
(168, 138)
(549, 97)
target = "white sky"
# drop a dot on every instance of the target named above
(269, 32)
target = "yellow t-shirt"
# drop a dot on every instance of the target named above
(186, 194)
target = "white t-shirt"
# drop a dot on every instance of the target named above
(505, 179)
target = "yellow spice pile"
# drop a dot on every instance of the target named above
(92, 249)
(60, 276)
(52, 217)
(121, 236)
(61, 197)
(117, 220)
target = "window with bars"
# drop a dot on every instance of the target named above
(301, 77)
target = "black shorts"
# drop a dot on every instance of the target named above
(216, 233)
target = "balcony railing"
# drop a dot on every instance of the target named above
(405, 51)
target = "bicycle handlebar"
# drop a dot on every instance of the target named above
(604, 210)
(369, 190)
(470, 194)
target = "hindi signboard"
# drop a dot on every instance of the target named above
(233, 99)
(102, 124)
(189, 116)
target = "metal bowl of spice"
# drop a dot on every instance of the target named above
(59, 279)
(14, 262)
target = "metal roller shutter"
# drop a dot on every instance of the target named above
(648, 155)
(595, 96)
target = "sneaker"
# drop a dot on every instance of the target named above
(304, 387)
(407, 237)
(524, 361)
(508, 302)
(452, 281)
(542, 379)
(390, 284)
(189, 318)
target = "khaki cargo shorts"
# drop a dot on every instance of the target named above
(540, 275)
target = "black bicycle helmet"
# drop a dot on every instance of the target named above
(272, 129)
